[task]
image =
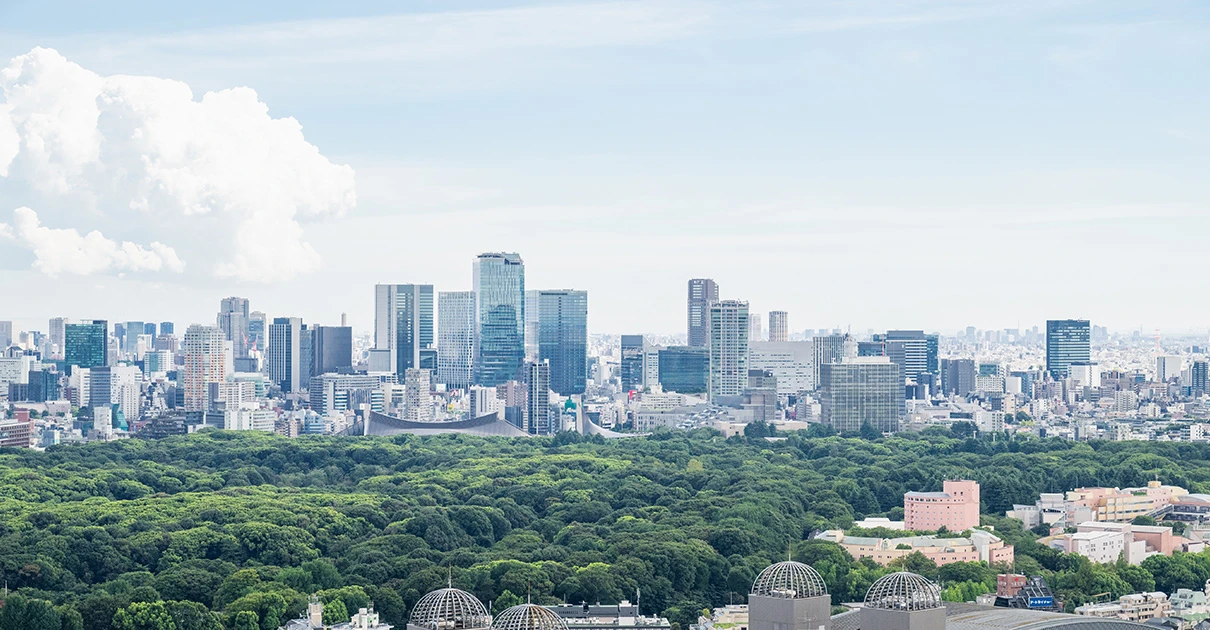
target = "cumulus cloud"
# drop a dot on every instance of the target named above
(59, 251)
(217, 179)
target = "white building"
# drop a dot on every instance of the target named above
(728, 348)
(1100, 547)
(249, 417)
(791, 362)
(417, 396)
(455, 338)
(206, 360)
(1086, 374)
(1168, 368)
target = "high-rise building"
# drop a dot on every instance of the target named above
(205, 352)
(6, 335)
(417, 395)
(286, 354)
(958, 376)
(533, 313)
(233, 319)
(403, 328)
(332, 350)
(116, 385)
(1199, 373)
(860, 391)
(58, 336)
(1168, 367)
(1067, 342)
(728, 348)
(684, 369)
(832, 348)
(537, 400)
(167, 328)
(455, 338)
(86, 345)
(755, 333)
(702, 293)
(791, 362)
(632, 362)
(149, 329)
(563, 338)
(499, 286)
(130, 339)
(913, 351)
(258, 333)
(779, 326)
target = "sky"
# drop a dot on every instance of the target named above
(860, 164)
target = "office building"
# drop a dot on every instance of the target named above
(1198, 373)
(702, 293)
(728, 348)
(832, 348)
(499, 287)
(455, 338)
(1067, 342)
(538, 418)
(417, 395)
(86, 345)
(563, 338)
(167, 328)
(205, 353)
(332, 349)
(258, 333)
(779, 326)
(129, 339)
(860, 391)
(289, 354)
(912, 350)
(755, 333)
(149, 329)
(1085, 374)
(404, 337)
(341, 392)
(684, 369)
(1168, 368)
(633, 347)
(532, 317)
(233, 319)
(58, 336)
(958, 376)
(116, 385)
(6, 335)
(791, 362)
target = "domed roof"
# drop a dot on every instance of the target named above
(450, 609)
(528, 617)
(790, 580)
(903, 591)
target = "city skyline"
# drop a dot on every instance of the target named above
(718, 141)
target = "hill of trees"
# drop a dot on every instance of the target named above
(224, 530)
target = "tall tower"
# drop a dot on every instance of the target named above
(499, 286)
(455, 338)
(205, 350)
(1067, 341)
(403, 328)
(233, 319)
(702, 293)
(563, 338)
(289, 350)
(86, 344)
(537, 399)
(779, 326)
(728, 348)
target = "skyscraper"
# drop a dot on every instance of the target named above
(832, 349)
(417, 397)
(859, 391)
(632, 362)
(6, 335)
(130, 340)
(755, 332)
(149, 329)
(958, 376)
(702, 293)
(332, 351)
(779, 326)
(167, 328)
(913, 351)
(728, 348)
(532, 316)
(58, 336)
(403, 328)
(499, 284)
(537, 399)
(205, 352)
(1200, 377)
(233, 320)
(258, 332)
(286, 354)
(563, 338)
(685, 369)
(86, 345)
(455, 338)
(1067, 341)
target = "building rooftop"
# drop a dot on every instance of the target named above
(975, 617)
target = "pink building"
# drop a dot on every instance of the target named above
(955, 508)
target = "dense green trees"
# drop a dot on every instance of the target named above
(225, 530)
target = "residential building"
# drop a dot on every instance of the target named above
(702, 293)
(563, 339)
(860, 391)
(779, 327)
(456, 338)
(956, 508)
(538, 417)
(1067, 341)
(206, 357)
(403, 328)
(499, 287)
(249, 417)
(417, 396)
(728, 348)
(86, 345)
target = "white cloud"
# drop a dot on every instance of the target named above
(59, 251)
(219, 179)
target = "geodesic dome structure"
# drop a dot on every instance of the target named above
(789, 580)
(450, 609)
(903, 591)
(528, 617)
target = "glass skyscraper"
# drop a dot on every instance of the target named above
(632, 362)
(860, 391)
(403, 326)
(563, 338)
(1067, 341)
(684, 369)
(455, 338)
(728, 348)
(86, 344)
(499, 284)
(702, 293)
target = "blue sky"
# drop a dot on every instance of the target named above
(875, 164)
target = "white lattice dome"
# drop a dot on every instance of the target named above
(450, 609)
(791, 580)
(528, 617)
(903, 591)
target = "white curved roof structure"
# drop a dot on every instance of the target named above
(450, 609)
(903, 591)
(789, 580)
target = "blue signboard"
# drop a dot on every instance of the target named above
(1041, 602)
